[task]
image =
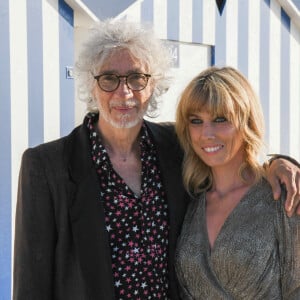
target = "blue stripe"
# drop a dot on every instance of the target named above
(243, 35)
(5, 155)
(66, 59)
(264, 62)
(285, 109)
(212, 55)
(197, 19)
(285, 20)
(66, 12)
(35, 73)
(147, 11)
(220, 47)
(173, 20)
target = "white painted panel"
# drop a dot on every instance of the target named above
(51, 69)
(231, 32)
(209, 22)
(193, 58)
(19, 91)
(160, 18)
(185, 20)
(294, 120)
(253, 43)
(80, 34)
(274, 87)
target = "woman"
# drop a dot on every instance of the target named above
(236, 242)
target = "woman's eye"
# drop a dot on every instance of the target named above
(195, 121)
(220, 119)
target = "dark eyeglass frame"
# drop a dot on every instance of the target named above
(147, 76)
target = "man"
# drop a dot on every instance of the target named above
(99, 211)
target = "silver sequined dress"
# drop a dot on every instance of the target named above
(255, 256)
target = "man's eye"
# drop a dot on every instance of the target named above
(136, 76)
(109, 78)
(220, 119)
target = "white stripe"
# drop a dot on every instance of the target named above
(253, 43)
(160, 18)
(231, 33)
(51, 69)
(19, 88)
(294, 125)
(19, 95)
(209, 22)
(274, 83)
(185, 20)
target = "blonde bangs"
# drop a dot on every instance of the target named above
(207, 94)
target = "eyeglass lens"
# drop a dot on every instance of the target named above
(134, 81)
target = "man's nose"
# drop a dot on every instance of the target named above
(123, 87)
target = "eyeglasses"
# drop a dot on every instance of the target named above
(134, 81)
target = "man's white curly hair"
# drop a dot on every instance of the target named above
(140, 40)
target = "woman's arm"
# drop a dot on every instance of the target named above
(287, 172)
(288, 229)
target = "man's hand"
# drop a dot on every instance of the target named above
(282, 171)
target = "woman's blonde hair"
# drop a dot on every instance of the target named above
(222, 92)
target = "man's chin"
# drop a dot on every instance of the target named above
(128, 123)
(123, 120)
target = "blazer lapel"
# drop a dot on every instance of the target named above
(170, 160)
(87, 218)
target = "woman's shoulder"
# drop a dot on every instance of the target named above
(263, 192)
(263, 188)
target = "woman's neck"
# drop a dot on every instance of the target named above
(226, 181)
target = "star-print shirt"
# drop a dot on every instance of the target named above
(137, 226)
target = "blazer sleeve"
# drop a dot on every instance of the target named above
(35, 233)
(289, 251)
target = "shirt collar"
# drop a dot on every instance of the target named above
(99, 153)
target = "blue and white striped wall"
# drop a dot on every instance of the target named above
(259, 37)
(39, 39)
(36, 99)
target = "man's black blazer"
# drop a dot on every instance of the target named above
(61, 245)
